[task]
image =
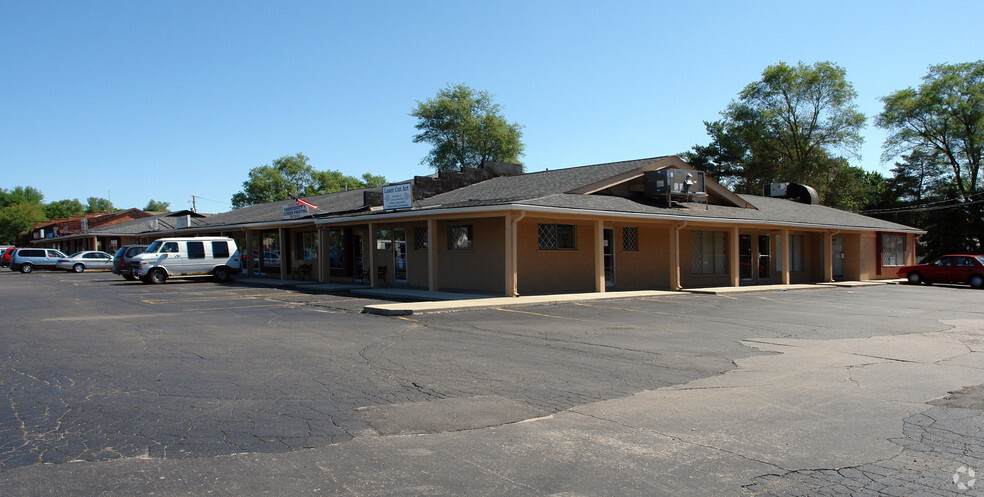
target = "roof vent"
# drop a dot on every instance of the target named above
(793, 191)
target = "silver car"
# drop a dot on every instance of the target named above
(87, 259)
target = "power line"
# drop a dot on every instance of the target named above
(930, 206)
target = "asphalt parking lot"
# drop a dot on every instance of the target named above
(96, 371)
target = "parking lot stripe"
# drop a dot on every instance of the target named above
(547, 315)
(623, 309)
(237, 307)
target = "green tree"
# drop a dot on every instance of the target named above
(372, 181)
(98, 204)
(938, 128)
(795, 124)
(292, 175)
(943, 116)
(64, 208)
(20, 210)
(155, 206)
(465, 129)
(20, 195)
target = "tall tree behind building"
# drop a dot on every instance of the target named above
(465, 128)
(797, 124)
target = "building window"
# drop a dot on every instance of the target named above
(796, 253)
(709, 252)
(893, 250)
(630, 239)
(460, 237)
(420, 238)
(384, 239)
(557, 237)
(307, 246)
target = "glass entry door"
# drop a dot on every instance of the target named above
(609, 253)
(745, 257)
(837, 250)
(400, 255)
(764, 256)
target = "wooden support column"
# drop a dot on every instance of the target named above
(599, 255)
(785, 254)
(285, 258)
(828, 257)
(734, 262)
(508, 289)
(373, 279)
(432, 282)
(324, 271)
(675, 256)
(248, 247)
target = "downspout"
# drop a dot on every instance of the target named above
(675, 270)
(514, 249)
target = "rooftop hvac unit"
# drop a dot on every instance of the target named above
(793, 191)
(675, 184)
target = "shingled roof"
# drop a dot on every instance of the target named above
(534, 185)
(328, 204)
(551, 189)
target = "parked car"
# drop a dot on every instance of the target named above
(26, 259)
(5, 258)
(214, 256)
(122, 259)
(956, 268)
(87, 259)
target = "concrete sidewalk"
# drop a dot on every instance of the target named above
(413, 301)
(445, 302)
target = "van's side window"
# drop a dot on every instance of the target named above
(170, 247)
(196, 250)
(220, 250)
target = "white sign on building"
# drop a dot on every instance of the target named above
(397, 196)
(294, 211)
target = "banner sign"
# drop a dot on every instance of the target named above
(397, 196)
(294, 211)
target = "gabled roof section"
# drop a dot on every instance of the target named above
(537, 184)
(583, 180)
(712, 187)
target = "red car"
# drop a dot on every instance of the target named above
(5, 258)
(956, 268)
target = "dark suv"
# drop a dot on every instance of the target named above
(26, 259)
(121, 262)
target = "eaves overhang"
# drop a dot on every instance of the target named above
(519, 206)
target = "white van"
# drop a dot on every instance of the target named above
(206, 256)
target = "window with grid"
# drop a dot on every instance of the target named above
(893, 250)
(557, 237)
(460, 237)
(420, 238)
(630, 239)
(708, 252)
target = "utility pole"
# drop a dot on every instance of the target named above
(194, 204)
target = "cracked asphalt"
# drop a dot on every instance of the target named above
(96, 372)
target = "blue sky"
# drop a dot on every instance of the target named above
(165, 100)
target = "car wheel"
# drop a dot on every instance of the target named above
(977, 281)
(221, 274)
(129, 277)
(157, 276)
(78, 268)
(27, 268)
(914, 278)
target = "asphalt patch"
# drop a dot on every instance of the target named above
(967, 398)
